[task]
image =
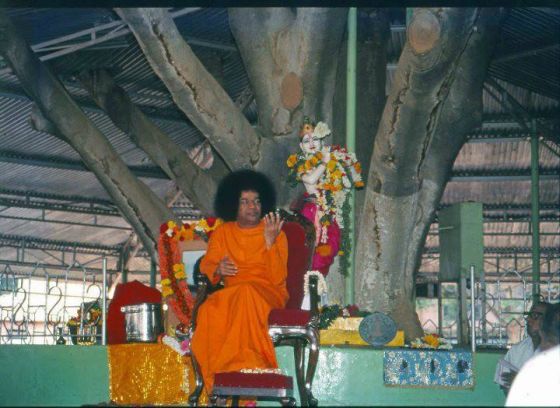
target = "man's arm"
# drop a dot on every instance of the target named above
(214, 258)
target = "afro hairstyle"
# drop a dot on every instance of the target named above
(226, 202)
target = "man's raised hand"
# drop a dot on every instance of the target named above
(272, 227)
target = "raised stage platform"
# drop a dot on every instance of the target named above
(346, 375)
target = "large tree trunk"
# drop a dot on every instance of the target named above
(197, 184)
(138, 204)
(288, 55)
(435, 100)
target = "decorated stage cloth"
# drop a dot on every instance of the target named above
(149, 374)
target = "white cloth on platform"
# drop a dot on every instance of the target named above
(538, 382)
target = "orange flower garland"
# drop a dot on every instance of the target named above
(173, 277)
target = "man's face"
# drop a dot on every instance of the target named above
(534, 319)
(249, 212)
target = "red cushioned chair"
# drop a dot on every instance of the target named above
(290, 326)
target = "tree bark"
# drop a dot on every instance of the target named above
(288, 56)
(289, 60)
(435, 100)
(139, 205)
(193, 89)
(197, 184)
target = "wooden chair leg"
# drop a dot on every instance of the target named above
(313, 337)
(299, 353)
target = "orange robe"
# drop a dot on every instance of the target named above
(232, 324)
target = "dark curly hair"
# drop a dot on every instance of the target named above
(226, 202)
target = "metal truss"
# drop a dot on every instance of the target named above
(102, 33)
(525, 53)
(75, 204)
(515, 212)
(504, 175)
(26, 242)
(57, 202)
(58, 162)
(503, 250)
(161, 114)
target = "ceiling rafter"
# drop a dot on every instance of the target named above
(27, 242)
(74, 204)
(46, 220)
(103, 33)
(58, 162)
(501, 250)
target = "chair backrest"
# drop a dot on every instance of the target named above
(301, 245)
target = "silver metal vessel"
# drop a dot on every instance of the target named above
(143, 322)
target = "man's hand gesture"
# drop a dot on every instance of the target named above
(272, 227)
(226, 267)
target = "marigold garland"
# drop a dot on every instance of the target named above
(174, 286)
(343, 172)
(431, 341)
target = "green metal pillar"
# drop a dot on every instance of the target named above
(153, 271)
(409, 13)
(351, 139)
(535, 224)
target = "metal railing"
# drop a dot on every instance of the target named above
(36, 306)
(499, 307)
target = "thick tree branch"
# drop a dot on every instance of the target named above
(139, 205)
(197, 184)
(193, 89)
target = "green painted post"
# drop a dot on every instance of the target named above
(535, 224)
(351, 138)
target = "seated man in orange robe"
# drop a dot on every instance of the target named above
(250, 253)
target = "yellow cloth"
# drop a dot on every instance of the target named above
(232, 325)
(149, 374)
(352, 337)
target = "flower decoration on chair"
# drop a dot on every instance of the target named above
(174, 286)
(343, 173)
(431, 341)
